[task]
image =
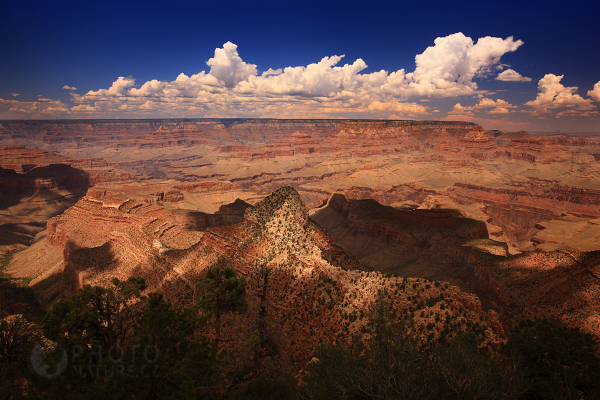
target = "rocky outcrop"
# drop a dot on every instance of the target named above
(433, 244)
(536, 151)
(21, 159)
(282, 208)
(519, 208)
(503, 138)
(315, 292)
(36, 185)
(567, 233)
(115, 237)
(109, 210)
(534, 192)
(37, 169)
(296, 143)
(59, 177)
(197, 199)
(184, 134)
(561, 285)
(389, 161)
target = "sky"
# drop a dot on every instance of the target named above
(507, 65)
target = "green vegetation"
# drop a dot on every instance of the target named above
(541, 360)
(4, 262)
(121, 342)
(15, 291)
(222, 292)
(17, 335)
(96, 315)
(559, 362)
(393, 365)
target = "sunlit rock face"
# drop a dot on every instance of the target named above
(529, 199)
(316, 291)
(442, 245)
(513, 181)
(36, 185)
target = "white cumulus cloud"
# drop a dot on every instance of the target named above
(42, 108)
(322, 79)
(397, 107)
(552, 94)
(234, 87)
(117, 89)
(227, 66)
(83, 108)
(448, 68)
(67, 87)
(150, 88)
(489, 106)
(511, 75)
(595, 93)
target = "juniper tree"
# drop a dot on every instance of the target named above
(222, 292)
(95, 314)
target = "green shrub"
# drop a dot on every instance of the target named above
(560, 362)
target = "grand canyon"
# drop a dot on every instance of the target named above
(484, 227)
(267, 200)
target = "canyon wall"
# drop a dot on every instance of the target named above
(310, 289)
(517, 183)
(361, 180)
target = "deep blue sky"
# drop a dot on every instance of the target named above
(88, 45)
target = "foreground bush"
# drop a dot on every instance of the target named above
(122, 344)
(455, 370)
(559, 362)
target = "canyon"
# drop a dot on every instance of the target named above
(337, 209)
(310, 290)
(494, 177)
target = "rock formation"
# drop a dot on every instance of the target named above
(415, 242)
(315, 291)
(36, 185)
(192, 199)
(559, 284)
(388, 161)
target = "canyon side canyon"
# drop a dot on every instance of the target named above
(338, 210)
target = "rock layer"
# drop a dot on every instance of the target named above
(315, 292)
(389, 161)
(36, 185)
(534, 192)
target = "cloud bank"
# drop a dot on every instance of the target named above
(42, 108)
(488, 105)
(326, 88)
(233, 87)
